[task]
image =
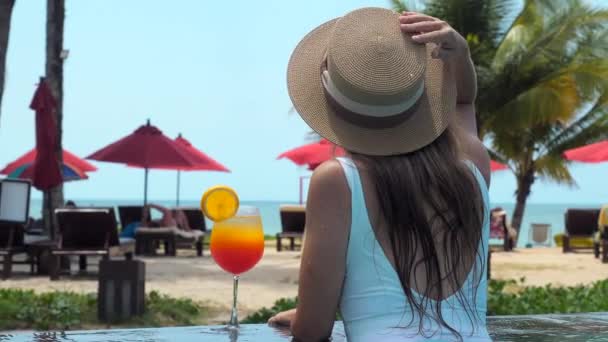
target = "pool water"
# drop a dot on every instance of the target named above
(537, 328)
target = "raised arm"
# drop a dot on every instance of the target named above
(159, 208)
(453, 49)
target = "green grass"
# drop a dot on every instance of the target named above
(25, 309)
(514, 298)
(506, 297)
(262, 315)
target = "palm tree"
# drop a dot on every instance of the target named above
(6, 11)
(55, 16)
(548, 91)
(543, 84)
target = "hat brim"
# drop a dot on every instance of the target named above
(429, 119)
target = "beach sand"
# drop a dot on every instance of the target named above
(276, 276)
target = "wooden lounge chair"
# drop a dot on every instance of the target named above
(540, 234)
(293, 220)
(173, 237)
(581, 224)
(11, 244)
(196, 220)
(129, 214)
(88, 232)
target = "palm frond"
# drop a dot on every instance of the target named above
(399, 6)
(587, 129)
(543, 31)
(554, 168)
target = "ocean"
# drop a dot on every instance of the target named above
(269, 210)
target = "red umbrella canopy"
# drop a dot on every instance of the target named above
(203, 161)
(593, 153)
(68, 158)
(147, 147)
(496, 166)
(46, 173)
(313, 154)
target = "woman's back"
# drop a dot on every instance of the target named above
(373, 303)
(397, 93)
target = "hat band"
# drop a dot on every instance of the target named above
(368, 122)
(377, 111)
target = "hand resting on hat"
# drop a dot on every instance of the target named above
(452, 48)
(426, 29)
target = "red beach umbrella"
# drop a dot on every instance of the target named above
(148, 148)
(312, 155)
(69, 158)
(593, 153)
(496, 166)
(68, 172)
(47, 172)
(203, 162)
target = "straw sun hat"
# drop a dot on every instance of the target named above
(362, 84)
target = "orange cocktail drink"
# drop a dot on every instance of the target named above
(237, 244)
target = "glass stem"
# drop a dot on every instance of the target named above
(234, 320)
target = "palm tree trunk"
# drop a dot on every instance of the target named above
(524, 184)
(6, 11)
(55, 14)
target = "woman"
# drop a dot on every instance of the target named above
(396, 232)
(499, 225)
(169, 218)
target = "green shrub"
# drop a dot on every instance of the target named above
(51, 310)
(25, 309)
(262, 315)
(510, 297)
(162, 309)
(507, 297)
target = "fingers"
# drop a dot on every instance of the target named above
(423, 26)
(276, 320)
(415, 18)
(430, 37)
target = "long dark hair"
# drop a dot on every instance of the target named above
(431, 201)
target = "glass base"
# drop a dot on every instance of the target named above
(231, 331)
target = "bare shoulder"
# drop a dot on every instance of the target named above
(329, 176)
(328, 196)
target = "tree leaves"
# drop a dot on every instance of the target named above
(547, 86)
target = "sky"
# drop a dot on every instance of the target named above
(211, 70)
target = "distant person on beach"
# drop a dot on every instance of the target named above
(169, 218)
(397, 231)
(70, 204)
(499, 224)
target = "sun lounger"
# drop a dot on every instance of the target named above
(11, 244)
(129, 214)
(293, 220)
(88, 232)
(146, 237)
(173, 237)
(197, 222)
(581, 224)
